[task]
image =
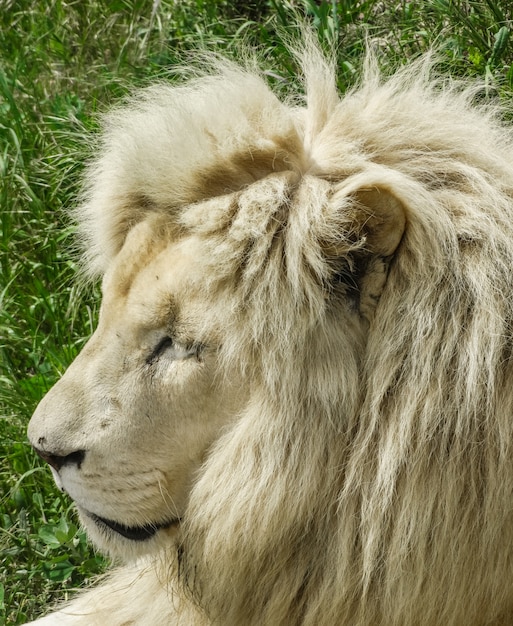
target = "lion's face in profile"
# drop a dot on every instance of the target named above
(299, 394)
(129, 424)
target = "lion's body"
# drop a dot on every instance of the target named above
(331, 440)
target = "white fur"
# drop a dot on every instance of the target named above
(348, 264)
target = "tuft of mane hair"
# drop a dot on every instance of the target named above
(370, 479)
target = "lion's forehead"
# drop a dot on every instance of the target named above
(154, 281)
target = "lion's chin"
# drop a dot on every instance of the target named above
(133, 533)
(120, 540)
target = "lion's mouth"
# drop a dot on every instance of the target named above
(134, 533)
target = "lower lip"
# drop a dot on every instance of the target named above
(133, 533)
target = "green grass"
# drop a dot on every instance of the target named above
(62, 62)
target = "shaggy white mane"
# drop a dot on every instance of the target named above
(370, 479)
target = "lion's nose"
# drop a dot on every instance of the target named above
(58, 461)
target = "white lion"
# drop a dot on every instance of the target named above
(297, 408)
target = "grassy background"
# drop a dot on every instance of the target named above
(61, 63)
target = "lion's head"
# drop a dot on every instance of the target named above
(301, 379)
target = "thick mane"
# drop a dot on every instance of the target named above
(370, 479)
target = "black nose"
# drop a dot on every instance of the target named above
(57, 461)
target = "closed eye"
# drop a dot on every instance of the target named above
(164, 344)
(176, 351)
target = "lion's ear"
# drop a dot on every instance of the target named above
(382, 220)
(376, 222)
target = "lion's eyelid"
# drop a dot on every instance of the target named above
(180, 351)
(164, 344)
